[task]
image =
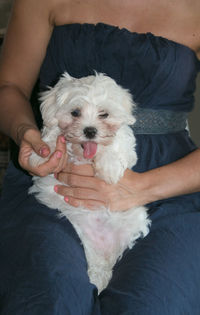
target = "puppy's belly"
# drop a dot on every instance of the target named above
(97, 227)
(104, 231)
(99, 230)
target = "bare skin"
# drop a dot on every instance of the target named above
(24, 49)
(175, 20)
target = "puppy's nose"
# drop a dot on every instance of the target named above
(90, 132)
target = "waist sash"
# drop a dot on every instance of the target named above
(150, 121)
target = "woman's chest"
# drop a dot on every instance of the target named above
(175, 20)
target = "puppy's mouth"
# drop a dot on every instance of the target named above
(89, 149)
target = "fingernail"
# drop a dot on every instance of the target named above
(58, 154)
(62, 139)
(55, 175)
(66, 199)
(56, 188)
(44, 151)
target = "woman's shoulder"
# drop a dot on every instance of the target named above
(191, 20)
(48, 8)
(66, 11)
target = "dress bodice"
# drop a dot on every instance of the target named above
(160, 73)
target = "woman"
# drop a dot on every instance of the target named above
(151, 48)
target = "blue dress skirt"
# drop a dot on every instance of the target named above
(43, 270)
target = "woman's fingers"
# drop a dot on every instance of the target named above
(56, 162)
(61, 147)
(88, 196)
(93, 193)
(77, 180)
(49, 167)
(88, 204)
(79, 193)
(43, 169)
(61, 144)
(82, 170)
(33, 137)
(77, 175)
(80, 197)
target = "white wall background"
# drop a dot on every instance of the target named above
(194, 118)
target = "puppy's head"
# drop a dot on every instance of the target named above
(89, 111)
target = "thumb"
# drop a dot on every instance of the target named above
(39, 146)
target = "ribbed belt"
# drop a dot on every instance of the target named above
(150, 121)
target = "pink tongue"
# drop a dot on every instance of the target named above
(89, 149)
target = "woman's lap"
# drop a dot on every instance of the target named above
(44, 255)
(46, 259)
(160, 275)
(43, 268)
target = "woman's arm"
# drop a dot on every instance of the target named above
(23, 51)
(134, 189)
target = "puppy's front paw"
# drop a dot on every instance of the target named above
(111, 171)
(36, 160)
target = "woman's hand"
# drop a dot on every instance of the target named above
(87, 191)
(31, 141)
(134, 189)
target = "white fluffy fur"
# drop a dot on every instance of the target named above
(104, 234)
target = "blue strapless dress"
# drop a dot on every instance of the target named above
(42, 265)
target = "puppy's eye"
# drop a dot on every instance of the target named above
(103, 116)
(76, 113)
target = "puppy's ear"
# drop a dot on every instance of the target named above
(129, 106)
(53, 98)
(130, 120)
(127, 118)
(67, 76)
(48, 107)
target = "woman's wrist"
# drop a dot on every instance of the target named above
(174, 179)
(24, 130)
(144, 188)
(17, 116)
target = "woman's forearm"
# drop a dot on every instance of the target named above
(16, 114)
(178, 178)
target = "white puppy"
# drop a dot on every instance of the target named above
(94, 114)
